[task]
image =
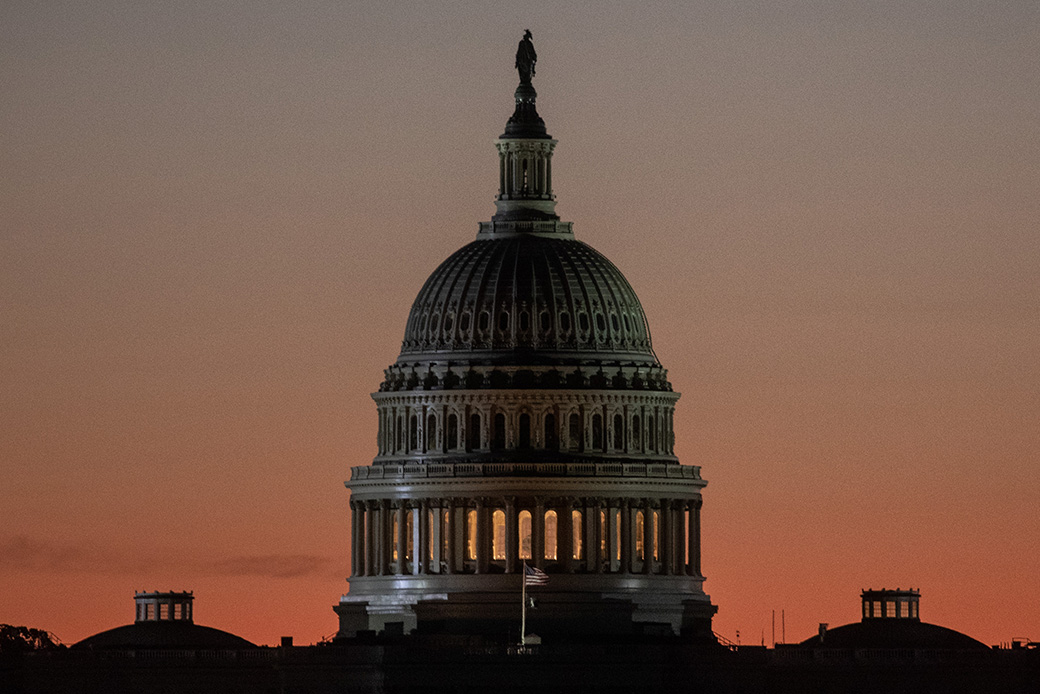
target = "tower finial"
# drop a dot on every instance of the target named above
(525, 121)
(526, 58)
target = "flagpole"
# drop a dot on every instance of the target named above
(523, 605)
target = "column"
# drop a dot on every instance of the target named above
(512, 535)
(695, 537)
(437, 531)
(648, 536)
(627, 552)
(369, 538)
(421, 563)
(384, 537)
(401, 539)
(355, 539)
(611, 535)
(481, 564)
(450, 529)
(565, 535)
(667, 545)
(591, 509)
(538, 533)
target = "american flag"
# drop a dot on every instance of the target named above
(534, 577)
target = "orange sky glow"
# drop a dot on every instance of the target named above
(214, 218)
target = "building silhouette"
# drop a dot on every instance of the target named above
(527, 420)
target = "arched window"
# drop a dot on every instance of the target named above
(597, 432)
(498, 534)
(552, 438)
(473, 435)
(550, 535)
(503, 321)
(431, 433)
(636, 430)
(651, 433)
(498, 441)
(471, 534)
(413, 433)
(400, 435)
(640, 534)
(453, 432)
(574, 437)
(603, 535)
(619, 433)
(576, 534)
(525, 431)
(525, 535)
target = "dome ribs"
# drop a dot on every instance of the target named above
(489, 298)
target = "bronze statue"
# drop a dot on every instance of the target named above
(526, 58)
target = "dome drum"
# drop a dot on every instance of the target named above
(509, 425)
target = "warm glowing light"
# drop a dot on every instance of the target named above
(550, 535)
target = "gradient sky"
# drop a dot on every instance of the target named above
(214, 217)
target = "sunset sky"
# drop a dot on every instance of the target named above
(214, 217)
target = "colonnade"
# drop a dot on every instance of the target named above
(422, 428)
(496, 535)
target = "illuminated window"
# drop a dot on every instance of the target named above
(576, 543)
(471, 534)
(498, 542)
(639, 535)
(164, 610)
(550, 535)
(525, 535)
(149, 611)
(603, 535)
(890, 609)
(393, 537)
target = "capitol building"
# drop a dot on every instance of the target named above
(526, 422)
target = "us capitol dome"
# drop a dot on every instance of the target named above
(526, 422)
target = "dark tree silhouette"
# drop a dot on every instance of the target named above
(21, 639)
